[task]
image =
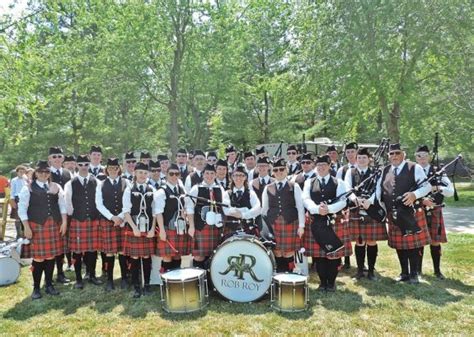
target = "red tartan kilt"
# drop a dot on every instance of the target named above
(138, 246)
(341, 228)
(46, 241)
(309, 244)
(396, 239)
(437, 229)
(286, 236)
(206, 240)
(367, 229)
(84, 236)
(112, 237)
(182, 243)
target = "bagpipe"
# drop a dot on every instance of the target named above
(402, 214)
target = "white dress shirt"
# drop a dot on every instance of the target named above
(160, 198)
(24, 202)
(247, 213)
(16, 185)
(187, 182)
(68, 192)
(191, 202)
(448, 190)
(99, 201)
(127, 198)
(341, 169)
(298, 200)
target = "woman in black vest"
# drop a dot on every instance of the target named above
(84, 232)
(108, 199)
(282, 204)
(318, 195)
(42, 210)
(206, 237)
(139, 242)
(173, 241)
(245, 206)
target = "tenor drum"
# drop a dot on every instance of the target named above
(184, 290)
(242, 268)
(9, 270)
(290, 292)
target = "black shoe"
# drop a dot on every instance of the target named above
(403, 278)
(371, 276)
(50, 290)
(347, 266)
(321, 288)
(94, 280)
(440, 276)
(147, 290)
(36, 294)
(109, 286)
(62, 279)
(79, 285)
(86, 276)
(124, 283)
(414, 279)
(331, 288)
(137, 293)
(359, 275)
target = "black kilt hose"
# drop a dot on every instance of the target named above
(396, 239)
(46, 242)
(364, 228)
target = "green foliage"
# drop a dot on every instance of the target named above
(158, 74)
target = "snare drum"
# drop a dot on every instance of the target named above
(290, 292)
(242, 268)
(184, 290)
(9, 270)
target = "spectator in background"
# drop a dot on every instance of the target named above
(3, 184)
(17, 184)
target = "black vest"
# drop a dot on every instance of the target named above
(195, 179)
(62, 178)
(258, 188)
(323, 194)
(393, 187)
(243, 201)
(42, 205)
(171, 204)
(281, 202)
(136, 198)
(83, 199)
(184, 173)
(300, 179)
(112, 196)
(204, 192)
(357, 178)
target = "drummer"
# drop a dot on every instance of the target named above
(282, 204)
(173, 241)
(245, 206)
(206, 235)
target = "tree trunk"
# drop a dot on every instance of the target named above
(393, 127)
(265, 117)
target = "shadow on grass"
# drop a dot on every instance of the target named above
(429, 290)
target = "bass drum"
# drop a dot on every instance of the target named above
(242, 268)
(9, 270)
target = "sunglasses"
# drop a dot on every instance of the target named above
(239, 175)
(211, 160)
(181, 156)
(174, 174)
(279, 169)
(43, 172)
(131, 161)
(306, 162)
(291, 152)
(82, 164)
(395, 153)
(422, 155)
(155, 170)
(56, 156)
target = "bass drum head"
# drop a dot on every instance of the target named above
(9, 270)
(242, 269)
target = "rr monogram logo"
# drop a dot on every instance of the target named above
(240, 265)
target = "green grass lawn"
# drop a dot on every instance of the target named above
(465, 194)
(358, 307)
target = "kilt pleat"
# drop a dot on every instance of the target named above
(206, 240)
(138, 245)
(46, 241)
(367, 229)
(182, 244)
(112, 237)
(396, 239)
(437, 229)
(84, 236)
(341, 228)
(286, 235)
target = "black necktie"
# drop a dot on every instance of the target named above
(175, 190)
(140, 188)
(157, 185)
(95, 170)
(280, 186)
(395, 171)
(263, 182)
(85, 182)
(306, 176)
(323, 182)
(45, 187)
(222, 184)
(239, 194)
